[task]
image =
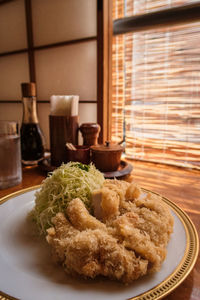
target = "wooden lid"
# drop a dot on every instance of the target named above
(107, 147)
(28, 89)
(89, 127)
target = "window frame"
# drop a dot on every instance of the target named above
(104, 68)
(179, 15)
(30, 50)
(163, 17)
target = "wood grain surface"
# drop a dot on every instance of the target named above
(181, 186)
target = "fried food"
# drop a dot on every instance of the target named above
(81, 218)
(59, 235)
(106, 204)
(125, 239)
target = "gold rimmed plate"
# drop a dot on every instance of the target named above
(28, 273)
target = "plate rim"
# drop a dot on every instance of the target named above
(180, 273)
(126, 170)
(187, 262)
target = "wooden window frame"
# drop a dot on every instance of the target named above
(179, 15)
(104, 68)
(166, 17)
(30, 50)
(104, 61)
(106, 28)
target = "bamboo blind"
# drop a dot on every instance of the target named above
(156, 89)
(127, 8)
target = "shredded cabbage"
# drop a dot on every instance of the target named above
(69, 181)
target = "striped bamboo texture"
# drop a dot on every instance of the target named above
(156, 89)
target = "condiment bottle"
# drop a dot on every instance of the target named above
(90, 133)
(32, 139)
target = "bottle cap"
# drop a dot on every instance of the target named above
(28, 89)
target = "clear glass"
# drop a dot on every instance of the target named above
(10, 155)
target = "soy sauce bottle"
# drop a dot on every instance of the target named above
(32, 139)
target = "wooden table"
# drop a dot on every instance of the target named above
(182, 186)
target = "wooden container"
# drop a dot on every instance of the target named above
(81, 154)
(63, 130)
(90, 133)
(106, 157)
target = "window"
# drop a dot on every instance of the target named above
(42, 41)
(156, 80)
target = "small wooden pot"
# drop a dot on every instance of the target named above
(82, 154)
(106, 157)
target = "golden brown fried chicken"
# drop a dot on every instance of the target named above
(59, 235)
(94, 252)
(105, 203)
(81, 218)
(128, 231)
(118, 186)
(127, 239)
(154, 215)
(91, 252)
(107, 200)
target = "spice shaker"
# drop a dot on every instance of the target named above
(90, 133)
(32, 139)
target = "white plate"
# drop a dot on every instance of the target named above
(27, 272)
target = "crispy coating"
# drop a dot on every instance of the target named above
(117, 186)
(80, 217)
(106, 204)
(124, 240)
(138, 240)
(59, 235)
(94, 252)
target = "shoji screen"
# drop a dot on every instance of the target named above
(53, 43)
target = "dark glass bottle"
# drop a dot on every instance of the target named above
(32, 139)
